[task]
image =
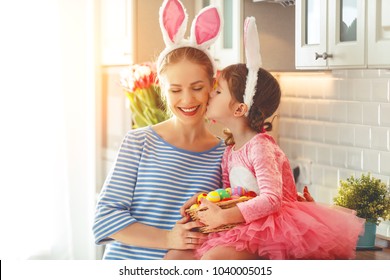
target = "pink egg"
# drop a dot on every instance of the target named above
(238, 190)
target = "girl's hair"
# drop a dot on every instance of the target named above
(266, 99)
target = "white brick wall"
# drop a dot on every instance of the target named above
(339, 120)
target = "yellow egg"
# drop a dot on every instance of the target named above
(202, 195)
(194, 206)
(213, 196)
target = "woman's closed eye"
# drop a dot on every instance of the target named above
(175, 90)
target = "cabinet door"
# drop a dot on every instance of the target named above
(378, 33)
(346, 33)
(310, 32)
(228, 49)
(116, 29)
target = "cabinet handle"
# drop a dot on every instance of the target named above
(325, 56)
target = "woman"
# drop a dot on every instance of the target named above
(159, 168)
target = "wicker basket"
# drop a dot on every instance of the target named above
(224, 205)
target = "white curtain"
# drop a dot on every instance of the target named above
(47, 118)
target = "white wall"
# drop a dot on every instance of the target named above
(340, 121)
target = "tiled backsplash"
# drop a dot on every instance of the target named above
(340, 122)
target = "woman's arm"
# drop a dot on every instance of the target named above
(180, 237)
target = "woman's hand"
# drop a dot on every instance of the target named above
(188, 204)
(182, 236)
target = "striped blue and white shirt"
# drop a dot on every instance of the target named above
(149, 182)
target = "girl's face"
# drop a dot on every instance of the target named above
(187, 88)
(220, 106)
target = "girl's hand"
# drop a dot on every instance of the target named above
(182, 236)
(212, 217)
(188, 204)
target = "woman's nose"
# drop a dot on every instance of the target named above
(187, 96)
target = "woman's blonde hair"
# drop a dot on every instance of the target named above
(191, 54)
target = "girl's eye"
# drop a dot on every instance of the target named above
(174, 90)
(218, 91)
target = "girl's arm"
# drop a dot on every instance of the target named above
(215, 216)
(268, 167)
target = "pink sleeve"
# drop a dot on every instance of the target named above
(225, 169)
(269, 179)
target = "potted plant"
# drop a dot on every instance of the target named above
(370, 198)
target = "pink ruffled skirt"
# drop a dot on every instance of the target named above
(300, 230)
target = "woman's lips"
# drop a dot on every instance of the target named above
(189, 111)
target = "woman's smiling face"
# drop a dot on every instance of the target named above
(187, 89)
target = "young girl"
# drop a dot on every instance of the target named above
(274, 224)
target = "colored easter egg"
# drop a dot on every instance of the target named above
(229, 190)
(213, 196)
(251, 194)
(238, 190)
(223, 193)
(202, 195)
(194, 206)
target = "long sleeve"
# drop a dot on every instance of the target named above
(267, 165)
(148, 184)
(114, 204)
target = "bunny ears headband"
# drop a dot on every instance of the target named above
(204, 30)
(253, 59)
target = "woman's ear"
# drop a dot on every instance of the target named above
(241, 109)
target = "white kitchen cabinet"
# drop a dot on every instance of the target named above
(116, 30)
(378, 33)
(228, 48)
(330, 34)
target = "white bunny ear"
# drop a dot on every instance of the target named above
(206, 27)
(204, 31)
(253, 59)
(252, 44)
(173, 21)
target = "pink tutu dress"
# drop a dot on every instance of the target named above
(277, 226)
